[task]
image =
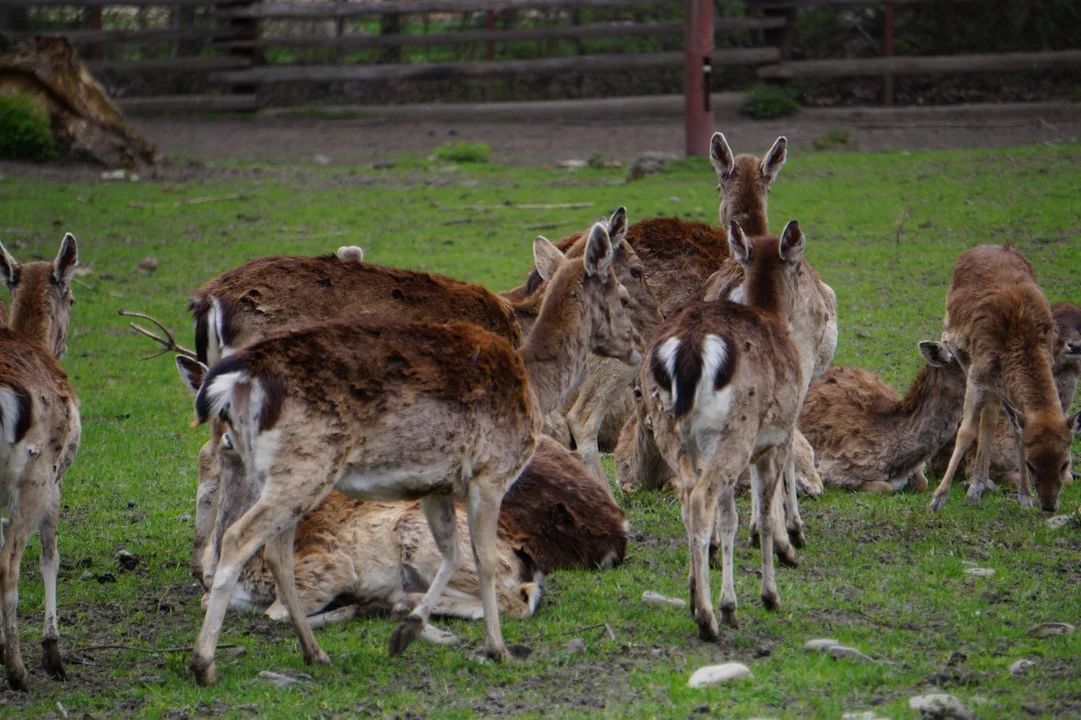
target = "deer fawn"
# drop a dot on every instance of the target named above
(1001, 329)
(382, 410)
(725, 386)
(39, 436)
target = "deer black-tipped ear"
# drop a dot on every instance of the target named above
(793, 243)
(66, 260)
(617, 227)
(1074, 423)
(737, 242)
(192, 372)
(9, 268)
(546, 257)
(773, 161)
(1015, 416)
(599, 252)
(936, 353)
(720, 154)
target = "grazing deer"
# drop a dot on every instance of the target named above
(999, 326)
(1003, 464)
(725, 386)
(39, 436)
(866, 437)
(400, 411)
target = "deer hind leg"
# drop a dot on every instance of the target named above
(766, 472)
(782, 544)
(700, 517)
(50, 567)
(280, 558)
(808, 481)
(974, 402)
(728, 519)
(483, 514)
(980, 480)
(443, 522)
(639, 463)
(606, 381)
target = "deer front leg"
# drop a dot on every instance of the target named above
(605, 381)
(443, 522)
(974, 402)
(701, 512)
(980, 480)
(483, 515)
(280, 557)
(1024, 481)
(50, 567)
(793, 521)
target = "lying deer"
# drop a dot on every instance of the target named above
(866, 437)
(39, 436)
(1000, 327)
(725, 386)
(427, 411)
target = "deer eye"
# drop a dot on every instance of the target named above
(1031, 467)
(624, 302)
(636, 273)
(1065, 466)
(227, 441)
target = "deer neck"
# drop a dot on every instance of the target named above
(30, 315)
(926, 418)
(749, 213)
(555, 352)
(764, 288)
(1029, 382)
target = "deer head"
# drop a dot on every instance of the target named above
(744, 182)
(771, 267)
(41, 296)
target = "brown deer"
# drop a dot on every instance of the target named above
(39, 436)
(384, 410)
(1003, 464)
(724, 386)
(999, 326)
(866, 437)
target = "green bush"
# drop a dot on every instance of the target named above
(24, 130)
(462, 152)
(769, 101)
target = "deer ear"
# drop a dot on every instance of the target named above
(773, 161)
(599, 252)
(9, 268)
(192, 372)
(350, 253)
(1074, 422)
(936, 353)
(66, 260)
(1015, 416)
(617, 227)
(546, 257)
(721, 155)
(737, 242)
(793, 243)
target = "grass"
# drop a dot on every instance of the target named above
(881, 574)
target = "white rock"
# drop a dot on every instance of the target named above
(434, 635)
(1021, 666)
(820, 644)
(840, 651)
(571, 164)
(713, 674)
(940, 705)
(1061, 521)
(1051, 628)
(657, 600)
(980, 572)
(864, 715)
(321, 159)
(281, 680)
(113, 175)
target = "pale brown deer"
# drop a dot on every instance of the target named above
(39, 436)
(384, 410)
(1000, 327)
(866, 437)
(724, 386)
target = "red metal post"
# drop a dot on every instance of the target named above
(887, 84)
(698, 47)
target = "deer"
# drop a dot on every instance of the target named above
(677, 258)
(724, 386)
(866, 437)
(999, 326)
(1003, 464)
(39, 437)
(428, 412)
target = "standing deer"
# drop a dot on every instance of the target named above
(725, 386)
(39, 436)
(1000, 327)
(866, 437)
(383, 410)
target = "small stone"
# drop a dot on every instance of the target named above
(575, 646)
(764, 649)
(106, 578)
(321, 159)
(840, 651)
(820, 644)
(126, 561)
(647, 164)
(611, 165)
(112, 175)
(571, 164)
(436, 636)
(701, 710)
(1060, 521)
(239, 651)
(657, 600)
(656, 653)
(714, 674)
(150, 679)
(282, 680)
(980, 572)
(862, 715)
(86, 576)
(1050, 629)
(149, 264)
(940, 706)
(185, 518)
(1021, 666)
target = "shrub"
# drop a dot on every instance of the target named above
(769, 101)
(836, 138)
(24, 130)
(462, 152)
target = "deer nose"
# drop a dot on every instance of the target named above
(1049, 507)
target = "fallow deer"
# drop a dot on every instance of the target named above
(866, 437)
(1000, 327)
(725, 386)
(384, 410)
(39, 436)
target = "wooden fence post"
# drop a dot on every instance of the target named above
(697, 70)
(242, 29)
(887, 80)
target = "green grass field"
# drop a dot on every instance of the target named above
(881, 574)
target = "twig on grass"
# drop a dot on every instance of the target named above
(151, 651)
(608, 631)
(901, 224)
(573, 631)
(521, 206)
(548, 226)
(192, 201)
(77, 281)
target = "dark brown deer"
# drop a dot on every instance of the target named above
(1000, 327)
(426, 411)
(39, 436)
(724, 387)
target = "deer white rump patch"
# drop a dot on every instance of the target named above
(666, 353)
(9, 415)
(220, 391)
(215, 345)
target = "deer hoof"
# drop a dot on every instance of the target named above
(937, 502)
(771, 600)
(787, 557)
(317, 658)
(408, 631)
(796, 536)
(519, 652)
(707, 630)
(205, 675)
(728, 617)
(50, 659)
(1025, 501)
(756, 542)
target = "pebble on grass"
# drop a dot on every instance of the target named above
(715, 674)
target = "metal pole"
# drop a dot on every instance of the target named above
(698, 47)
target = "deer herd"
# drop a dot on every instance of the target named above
(365, 421)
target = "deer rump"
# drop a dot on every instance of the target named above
(366, 557)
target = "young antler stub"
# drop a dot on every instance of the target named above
(168, 342)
